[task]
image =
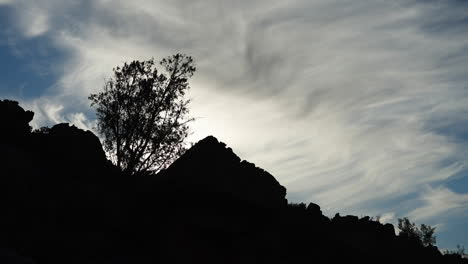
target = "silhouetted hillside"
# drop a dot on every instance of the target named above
(210, 166)
(63, 202)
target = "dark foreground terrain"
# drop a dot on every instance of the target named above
(62, 201)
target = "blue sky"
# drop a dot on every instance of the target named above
(357, 105)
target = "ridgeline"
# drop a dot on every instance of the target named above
(63, 202)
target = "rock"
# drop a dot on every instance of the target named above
(14, 121)
(314, 209)
(210, 166)
(389, 230)
(76, 145)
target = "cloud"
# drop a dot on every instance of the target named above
(49, 111)
(387, 218)
(81, 121)
(37, 25)
(46, 111)
(346, 103)
(439, 201)
(32, 19)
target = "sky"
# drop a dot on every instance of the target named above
(359, 106)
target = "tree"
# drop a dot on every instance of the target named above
(460, 251)
(427, 235)
(142, 113)
(408, 229)
(424, 235)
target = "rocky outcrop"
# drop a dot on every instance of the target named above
(68, 145)
(61, 147)
(211, 166)
(14, 121)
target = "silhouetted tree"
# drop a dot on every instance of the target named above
(42, 130)
(424, 234)
(375, 218)
(427, 235)
(459, 251)
(142, 113)
(299, 206)
(408, 229)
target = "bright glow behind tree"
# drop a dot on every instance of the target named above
(142, 113)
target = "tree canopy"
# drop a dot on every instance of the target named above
(424, 234)
(142, 113)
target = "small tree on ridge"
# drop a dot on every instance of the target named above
(142, 113)
(424, 235)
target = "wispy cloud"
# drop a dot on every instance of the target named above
(387, 218)
(440, 201)
(347, 103)
(48, 112)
